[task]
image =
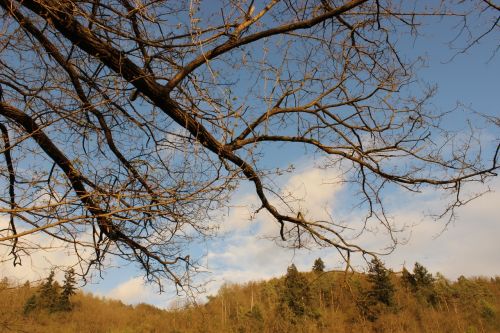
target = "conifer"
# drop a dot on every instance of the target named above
(424, 284)
(297, 294)
(423, 279)
(30, 305)
(318, 266)
(408, 280)
(68, 290)
(48, 294)
(382, 288)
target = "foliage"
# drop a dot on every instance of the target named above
(382, 289)
(423, 279)
(408, 280)
(30, 305)
(296, 292)
(381, 292)
(421, 282)
(318, 266)
(68, 289)
(50, 297)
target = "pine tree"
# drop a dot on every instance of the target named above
(297, 294)
(423, 279)
(424, 284)
(382, 288)
(318, 266)
(30, 305)
(68, 290)
(380, 295)
(408, 280)
(48, 294)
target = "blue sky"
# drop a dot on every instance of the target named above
(243, 251)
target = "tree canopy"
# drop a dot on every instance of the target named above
(318, 266)
(127, 125)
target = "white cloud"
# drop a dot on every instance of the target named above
(40, 254)
(135, 290)
(315, 189)
(240, 214)
(469, 246)
(131, 291)
(38, 264)
(246, 254)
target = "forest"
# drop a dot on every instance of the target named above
(379, 300)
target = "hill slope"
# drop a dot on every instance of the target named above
(297, 302)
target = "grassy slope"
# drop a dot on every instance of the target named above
(468, 305)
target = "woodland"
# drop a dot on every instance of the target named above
(413, 300)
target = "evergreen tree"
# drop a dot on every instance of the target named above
(48, 294)
(297, 294)
(421, 283)
(424, 284)
(30, 305)
(381, 293)
(408, 280)
(318, 266)
(382, 287)
(423, 279)
(68, 290)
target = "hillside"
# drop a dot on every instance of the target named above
(379, 301)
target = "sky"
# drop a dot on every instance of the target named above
(243, 251)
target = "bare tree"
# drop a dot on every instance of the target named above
(127, 124)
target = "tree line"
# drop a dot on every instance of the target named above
(319, 300)
(374, 299)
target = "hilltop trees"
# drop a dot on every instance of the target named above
(68, 289)
(127, 125)
(381, 292)
(50, 297)
(408, 279)
(421, 282)
(48, 294)
(382, 289)
(297, 292)
(423, 279)
(469, 305)
(318, 266)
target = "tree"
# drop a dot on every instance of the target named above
(296, 293)
(68, 289)
(421, 282)
(382, 288)
(48, 295)
(423, 279)
(380, 296)
(30, 305)
(127, 127)
(318, 266)
(408, 280)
